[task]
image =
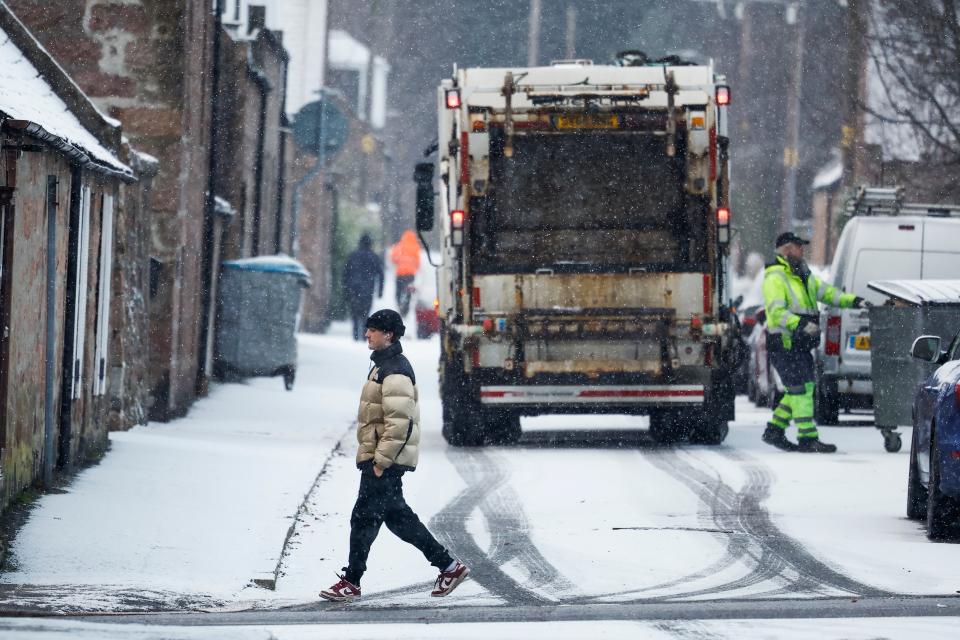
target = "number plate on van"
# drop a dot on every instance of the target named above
(860, 343)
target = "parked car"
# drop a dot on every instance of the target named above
(874, 248)
(426, 303)
(764, 387)
(747, 322)
(933, 485)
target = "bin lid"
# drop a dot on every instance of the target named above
(920, 292)
(279, 263)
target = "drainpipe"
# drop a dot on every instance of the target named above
(209, 208)
(49, 372)
(264, 85)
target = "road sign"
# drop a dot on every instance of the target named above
(321, 124)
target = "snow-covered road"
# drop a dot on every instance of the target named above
(585, 510)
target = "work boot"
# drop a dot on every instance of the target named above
(342, 591)
(813, 445)
(774, 435)
(447, 581)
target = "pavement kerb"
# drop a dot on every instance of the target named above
(269, 579)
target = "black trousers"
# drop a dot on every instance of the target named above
(403, 295)
(359, 310)
(380, 501)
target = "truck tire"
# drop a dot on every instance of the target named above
(708, 429)
(501, 427)
(462, 426)
(826, 403)
(668, 426)
(943, 517)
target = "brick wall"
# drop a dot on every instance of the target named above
(146, 63)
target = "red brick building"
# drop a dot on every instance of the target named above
(147, 63)
(65, 190)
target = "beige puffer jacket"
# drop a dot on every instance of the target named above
(388, 423)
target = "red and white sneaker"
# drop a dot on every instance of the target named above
(343, 591)
(447, 581)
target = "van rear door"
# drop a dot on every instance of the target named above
(892, 251)
(941, 248)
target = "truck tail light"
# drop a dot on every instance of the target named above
(453, 98)
(956, 395)
(456, 223)
(832, 345)
(723, 225)
(723, 95)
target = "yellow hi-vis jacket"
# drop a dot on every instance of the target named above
(787, 300)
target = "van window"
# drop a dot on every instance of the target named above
(885, 264)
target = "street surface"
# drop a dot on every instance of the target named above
(585, 519)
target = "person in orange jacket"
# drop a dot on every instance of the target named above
(405, 256)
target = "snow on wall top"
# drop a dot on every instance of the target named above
(26, 95)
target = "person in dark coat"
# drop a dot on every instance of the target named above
(362, 275)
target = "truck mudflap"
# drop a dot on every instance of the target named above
(689, 394)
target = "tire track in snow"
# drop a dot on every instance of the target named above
(756, 540)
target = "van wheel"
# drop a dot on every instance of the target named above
(916, 492)
(941, 509)
(826, 403)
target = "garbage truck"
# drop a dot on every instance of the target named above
(584, 222)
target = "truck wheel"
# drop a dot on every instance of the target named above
(916, 492)
(942, 515)
(826, 403)
(668, 426)
(709, 430)
(462, 426)
(502, 427)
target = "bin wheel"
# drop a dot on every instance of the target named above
(288, 377)
(892, 441)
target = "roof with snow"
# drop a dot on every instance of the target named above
(920, 292)
(28, 95)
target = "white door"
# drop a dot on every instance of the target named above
(103, 297)
(80, 309)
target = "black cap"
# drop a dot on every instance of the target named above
(387, 320)
(790, 238)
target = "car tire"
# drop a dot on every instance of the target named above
(916, 492)
(826, 403)
(942, 518)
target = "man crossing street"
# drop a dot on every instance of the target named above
(790, 294)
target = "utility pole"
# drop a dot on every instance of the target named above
(533, 34)
(791, 152)
(571, 50)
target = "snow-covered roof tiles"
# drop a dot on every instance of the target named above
(26, 95)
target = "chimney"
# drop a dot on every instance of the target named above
(256, 18)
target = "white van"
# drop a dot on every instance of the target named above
(874, 248)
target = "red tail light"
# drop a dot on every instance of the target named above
(723, 216)
(456, 218)
(453, 98)
(723, 95)
(832, 346)
(956, 395)
(750, 321)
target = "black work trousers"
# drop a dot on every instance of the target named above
(380, 501)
